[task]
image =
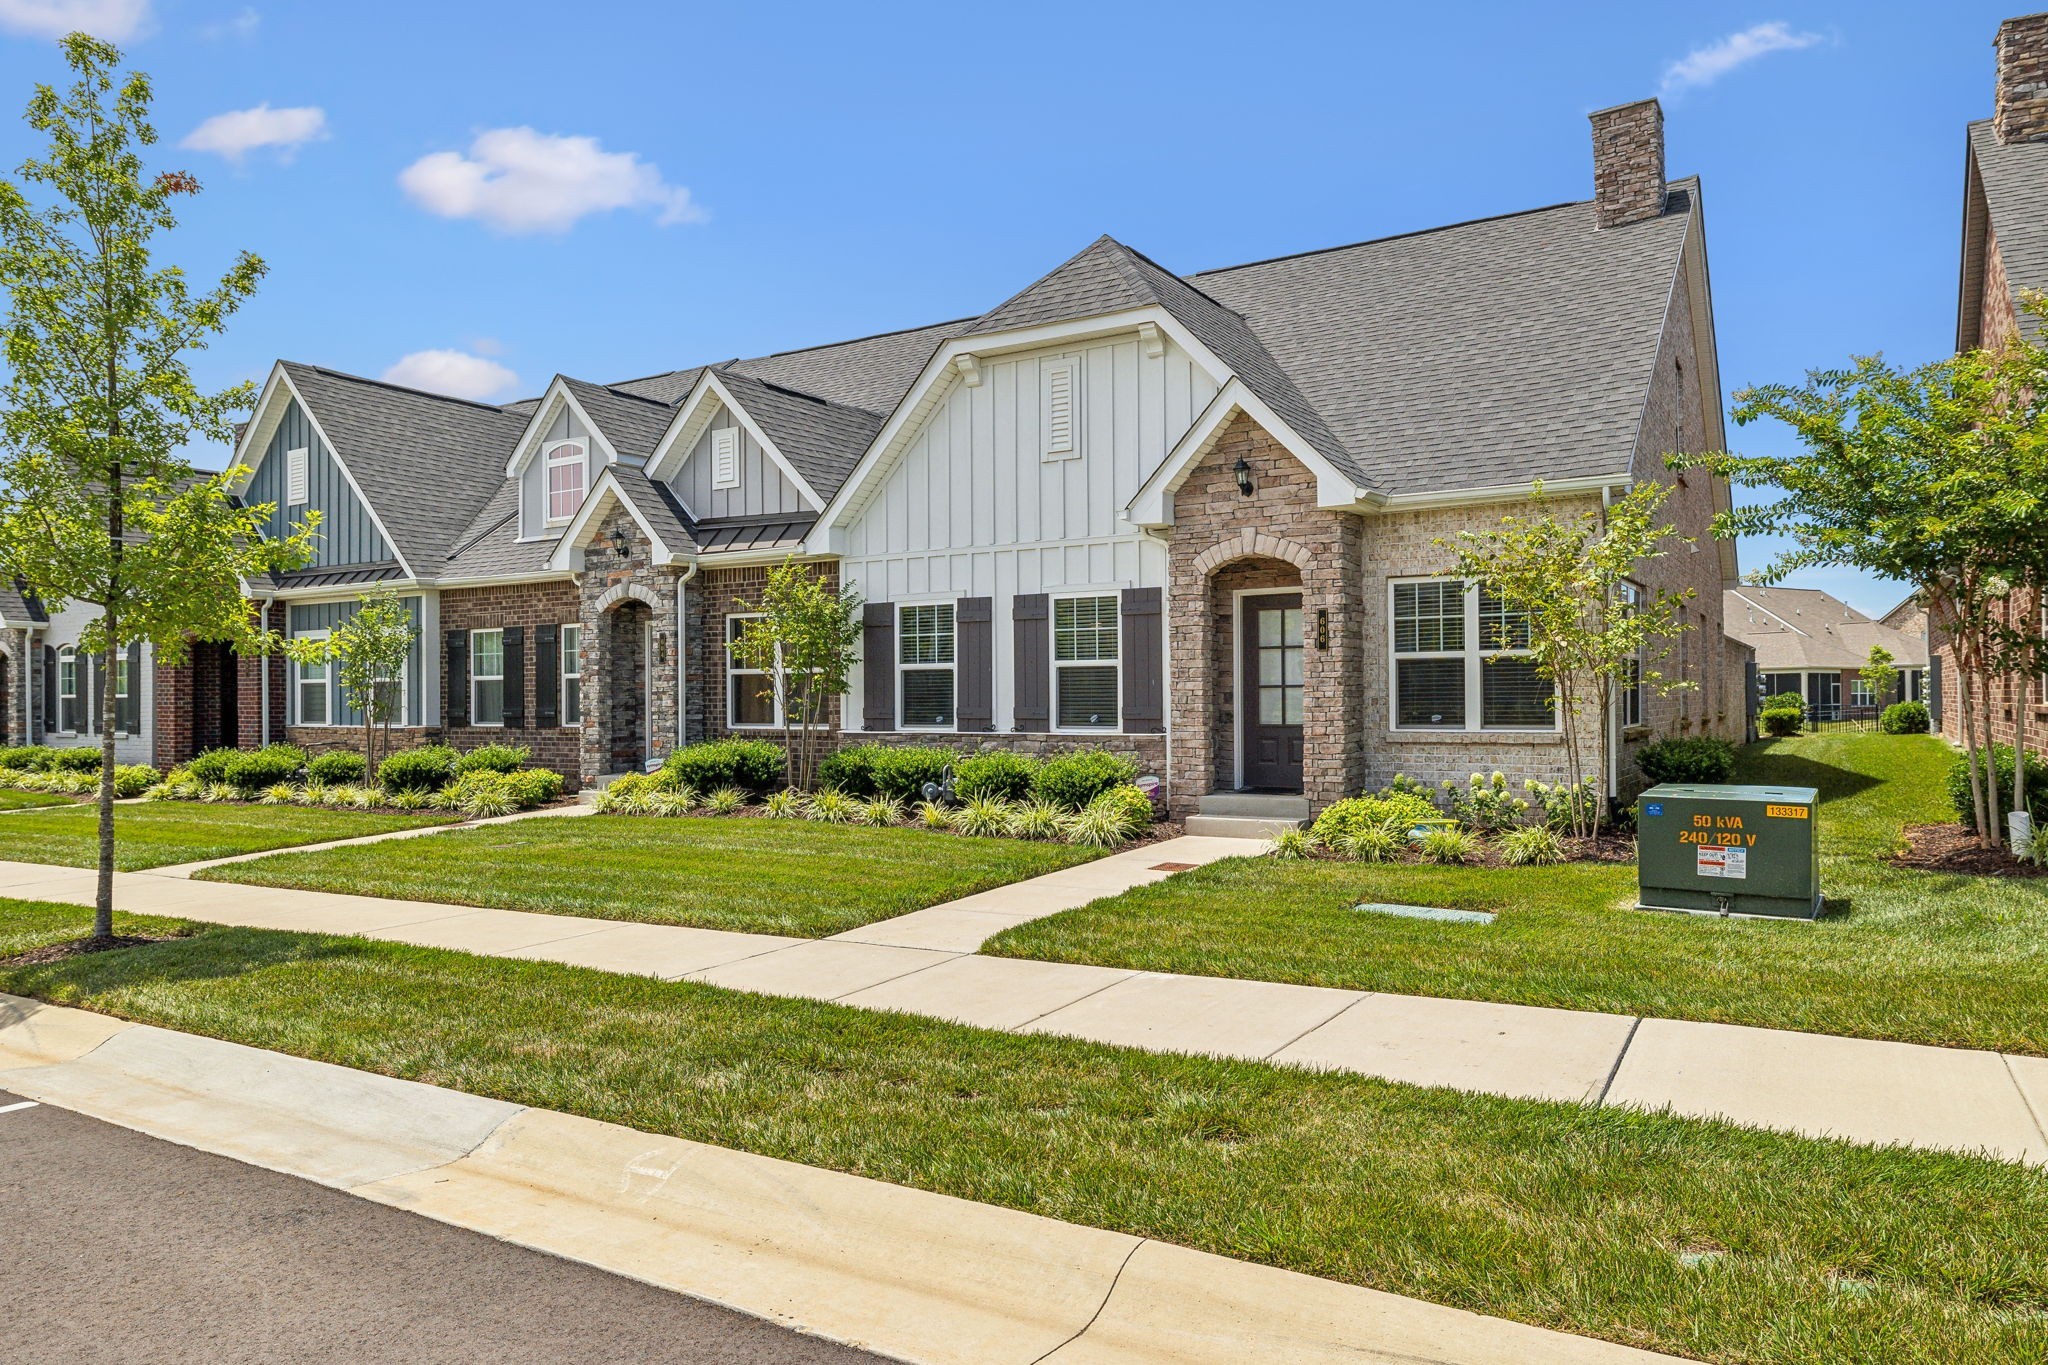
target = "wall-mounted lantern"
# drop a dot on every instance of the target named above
(622, 544)
(1243, 470)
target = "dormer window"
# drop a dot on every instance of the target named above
(566, 464)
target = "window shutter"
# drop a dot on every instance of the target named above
(725, 458)
(515, 677)
(131, 708)
(1057, 382)
(1144, 662)
(92, 695)
(974, 646)
(49, 687)
(878, 665)
(547, 675)
(295, 476)
(1031, 620)
(456, 709)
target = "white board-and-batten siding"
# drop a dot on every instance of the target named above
(974, 508)
(763, 489)
(563, 425)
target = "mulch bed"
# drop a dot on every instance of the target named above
(79, 947)
(1951, 848)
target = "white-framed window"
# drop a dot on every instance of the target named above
(725, 458)
(1461, 661)
(123, 670)
(1086, 677)
(487, 677)
(566, 467)
(388, 689)
(572, 675)
(70, 715)
(311, 693)
(1861, 693)
(1059, 407)
(753, 696)
(1629, 693)
(924, 673)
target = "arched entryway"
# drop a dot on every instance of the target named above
(627, 631)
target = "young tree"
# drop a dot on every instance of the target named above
(806, 641)
(1561, 583)
(97, 503)
(1878, 674)
(370, 649)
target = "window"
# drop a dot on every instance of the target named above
(572, 675)
(309, 684)
(122, 668)
(1059, 383)
(725, 458)
(487, 677)
(1628, 701)
(1861, 693)
(69, 712)
(750, 693)
(1085, 676)
(924, 645)
(295, 476)
(567, 465)
(388, 696)
(1461, 661)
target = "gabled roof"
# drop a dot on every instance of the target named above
(425, 462)
(631, 423)
(822, 441)
(18, 607)
(2013, 178)
(490, 546)
(1804, 628)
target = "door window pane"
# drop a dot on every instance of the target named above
(1278, 681)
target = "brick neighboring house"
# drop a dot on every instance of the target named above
(1817, 645)
(2005, 250)
(1191, 518)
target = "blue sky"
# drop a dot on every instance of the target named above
(480, 196)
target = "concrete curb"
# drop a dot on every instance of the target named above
(919, 1276)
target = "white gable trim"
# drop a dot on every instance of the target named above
(604, 493)
(690, 422)
(281, 384)
(941, 373)
(263, 424)
(1153, 504)
(528, 444)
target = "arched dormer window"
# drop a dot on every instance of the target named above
(567, 468)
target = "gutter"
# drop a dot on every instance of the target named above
(683, 653)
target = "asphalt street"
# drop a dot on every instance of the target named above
(115, 1246)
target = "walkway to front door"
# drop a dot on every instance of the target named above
(1270, 689)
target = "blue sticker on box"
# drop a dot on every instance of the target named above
(1654, 808)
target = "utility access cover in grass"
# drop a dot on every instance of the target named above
(1426, 912)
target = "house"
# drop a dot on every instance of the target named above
(2005, 251)
(1192, 518)
(1817, 645)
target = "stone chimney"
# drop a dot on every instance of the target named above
(1628, 163)
(2022, 110)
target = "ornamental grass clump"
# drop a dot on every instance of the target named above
(1294, 844)
(787, 804)
(933, 815)
(1449, 846)
(1381, 843)
(984, 816)
(725, 801)
(1532, 846)
(1130, 805)
(881, 810)
(277, 794)
(831, 806)
(1097, 826)
(1036, 820)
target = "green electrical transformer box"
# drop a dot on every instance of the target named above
(1729, 851)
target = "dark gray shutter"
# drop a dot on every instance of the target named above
(1031, 621)
(878, 665)
(456, 710)
(975, 656)
(131, 707)
(50, 718)
(1144, 660)
(515, 677)
(547, 675)
(92, 696)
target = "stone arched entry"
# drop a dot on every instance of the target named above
(618, 663)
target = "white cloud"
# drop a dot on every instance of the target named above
(113, 20)
(456, 373)
(242, 26)
(240, 131)
(1705, 65)
(519, 180)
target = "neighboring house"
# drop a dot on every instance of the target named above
(1191, 519)
(1909, 617)
(1816, 645)
(2005, 251)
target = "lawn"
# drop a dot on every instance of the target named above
(754, 875)
(12, 799)
(162, 833)
(1905, 955)
(1683, 1236)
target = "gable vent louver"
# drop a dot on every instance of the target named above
(1059, 382)
(725, 458)
(295, 477)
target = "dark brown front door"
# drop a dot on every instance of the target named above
(1271, 706)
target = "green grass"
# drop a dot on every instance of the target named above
(163, 833)
(1906, 955)
(12, 799)
(27, 925)
(1573, 1218)
(758, 876)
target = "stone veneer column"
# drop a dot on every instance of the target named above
(608, 581)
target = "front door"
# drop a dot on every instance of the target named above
(1270, 710)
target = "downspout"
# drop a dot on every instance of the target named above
(1610, 721)
(683, 654)
(263, 677)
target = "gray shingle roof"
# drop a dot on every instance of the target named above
(823, 440)
(18, 608)
(426, 462)
(491, 548)
(659, 506)
(2015, 180)
(1804, 628)
(633, 424)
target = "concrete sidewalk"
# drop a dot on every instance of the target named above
(918, 1276)
(924, 963)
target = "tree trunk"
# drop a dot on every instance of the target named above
(1995, 830)
(1966, 707)
(103, 901)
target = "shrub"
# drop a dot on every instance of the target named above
(425, 769)
(1485, 803)
(1905, 718)
(133, 779)
(28, 758)
(999, 774)
(2037, 785)
(1700, 759)
(1342, 819)
(850, 770)
(754, 765)
(903, 771)
(212, 766)
(831, 806)
(626, 784)
(1449, 846)
(1534, 846)
(881, 810)
(86, 760)
(1785, 701)
(984, 815)
(1130, 804)
(1563, 804)
(492, 758)
(535, 786)
(1293, 843)
(787, 804)
(1035, 820)
(1381, 843)
(342, 765)
(1071, 780)
(1097, 826)
(1780, 721)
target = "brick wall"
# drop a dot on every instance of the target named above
(528, 605)
(2008, 694)
(716, 594)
